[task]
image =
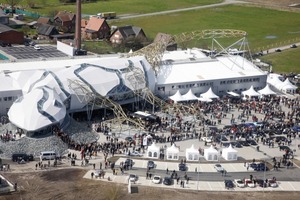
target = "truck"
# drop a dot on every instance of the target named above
(107, 15)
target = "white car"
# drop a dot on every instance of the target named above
(156, 179)
(272, 183)
(37, 47)
(134, 153)
(133, 177)
(239, 183)
(206, 139)
(219, 167)
(249, 183)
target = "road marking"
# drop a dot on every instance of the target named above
(292, 186)
(233, 167)
(209, 186)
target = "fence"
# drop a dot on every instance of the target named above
(27, 13)
(277, 44)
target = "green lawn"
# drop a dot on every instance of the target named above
(284, 62)
(44, 7)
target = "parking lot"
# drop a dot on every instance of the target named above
(29, 52)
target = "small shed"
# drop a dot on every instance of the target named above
(153, 151)
(192, 154)
(211, 154)
(229, 153)
(172, 153)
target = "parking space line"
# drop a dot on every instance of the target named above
(292, 186)
(209, 186)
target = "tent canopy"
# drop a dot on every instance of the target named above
(173, 149)
(267, 91)
(209, 94)
(250, 92)
(233, 94)
(189, 96)
(177, 97)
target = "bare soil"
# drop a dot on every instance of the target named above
(68, 184)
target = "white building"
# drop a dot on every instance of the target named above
(41, 88)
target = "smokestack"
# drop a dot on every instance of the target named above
(78, 26)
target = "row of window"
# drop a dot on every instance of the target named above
(246, 80)
(240, 90)
(174, 87)
(8, 98)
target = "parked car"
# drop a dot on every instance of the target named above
(229, 184)
(156, 179)
(134, 153)
(219, 167)
(272, 183)
(249, 183)
(133, 177)
(128, 162)
(277, 50)
(129, 139)
(98, 173)
(207, 139)
(293, 46)
(150, 164)
(37, 47)
(252, 142)
(182, 167)
(239, 183)
(168, 181)
(261, 183)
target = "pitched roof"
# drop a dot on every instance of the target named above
(64, 16)
(4, 28)
(128, 31)
(45, 29)
(43, 20)
(95, 24)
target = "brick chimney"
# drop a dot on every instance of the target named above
(78, 25)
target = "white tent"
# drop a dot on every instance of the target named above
(251, 92)
(189, 96)
(176, 97)
(153, 151)
(211, 154)
(229, 153)
(209, 94)
(288, 87)
(204, 99)
(192, 154)
(172, 153)
(267, 91)
(233, 94)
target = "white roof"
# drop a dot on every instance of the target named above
(172, 149)
(233, 94)
(177, 97)
(211, 149)
(209, 94)
(189, 96)
(266, 91)
(250, 92)
(192, 149)
(153, 147)
(229, 150)
(37, 109)
(7, 83)
(192, 66)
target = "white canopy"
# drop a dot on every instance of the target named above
(192, 154)
(233, 94)
(250, 92)
(229, 153)
(38, 109)
(287, 86)
(266, 91)
(172, 153)
(177, 97)
(189, 96)
(209, 94)
(204, 99)
(153, 151)
(211, 154)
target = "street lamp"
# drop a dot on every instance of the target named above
(198, 170)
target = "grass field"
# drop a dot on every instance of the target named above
(45, 7)
(284, 62)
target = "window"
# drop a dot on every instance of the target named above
(9, 98)
(4, 98)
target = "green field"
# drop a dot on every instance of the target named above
(284, 62)
(44, 7)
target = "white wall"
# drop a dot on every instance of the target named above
(67, 49)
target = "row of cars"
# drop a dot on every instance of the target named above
(250, 183)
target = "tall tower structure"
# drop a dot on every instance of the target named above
(78, 26)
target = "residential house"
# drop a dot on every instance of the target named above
(10, 35)
(121, 34)
(4, 18)
(44, 20)
(96, 28)
(65, 21)
(45, 31)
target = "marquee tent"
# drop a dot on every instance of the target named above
(177, 97)
(211, 154)
(172, 153)
(229, 153)
(288, 87)
(267, 91)
(251, 92)
(209, 94)
(204, 99)
(233, 94)
(189, 96)
(153, 151)
(192, 154)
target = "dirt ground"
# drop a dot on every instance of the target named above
(68, 184)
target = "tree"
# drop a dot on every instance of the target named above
(13, 4)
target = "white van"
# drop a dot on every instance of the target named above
(47, 155)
